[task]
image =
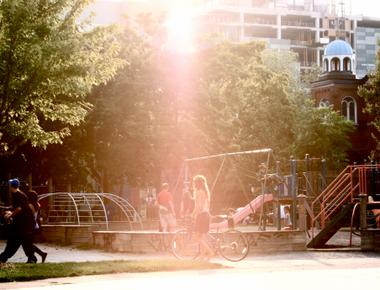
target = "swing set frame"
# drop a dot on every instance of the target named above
(224, 156)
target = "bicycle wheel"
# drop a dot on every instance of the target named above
(159, 242)
(233, 245)
(184, 245)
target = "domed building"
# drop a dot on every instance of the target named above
(339, 56)
(337, 86)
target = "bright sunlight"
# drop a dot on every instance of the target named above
(180, 30)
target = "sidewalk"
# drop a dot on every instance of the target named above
(59, 254)
(295, 271)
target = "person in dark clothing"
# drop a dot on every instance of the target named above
(35, 207)
(22, 224)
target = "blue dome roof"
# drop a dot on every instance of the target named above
(338, 47)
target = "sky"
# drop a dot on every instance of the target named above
(365, 7)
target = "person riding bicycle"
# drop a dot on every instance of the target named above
(201, 215)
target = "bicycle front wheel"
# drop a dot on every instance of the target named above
(233, 245)
(185, 246)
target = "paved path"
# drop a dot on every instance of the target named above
(58, 254)
(302, 270)
(307, 270)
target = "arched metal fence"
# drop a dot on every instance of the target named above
(66, 208)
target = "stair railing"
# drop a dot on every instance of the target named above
(350, 182)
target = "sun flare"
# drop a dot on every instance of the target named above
(180, 29)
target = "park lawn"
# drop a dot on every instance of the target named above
(28, 272)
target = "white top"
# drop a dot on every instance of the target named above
(202, 202)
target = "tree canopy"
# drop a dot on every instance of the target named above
(370, 92)
(159, 108)
(49, 62)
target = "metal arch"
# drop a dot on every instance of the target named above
(123, 204)
(42, 196)
(75, 205)
(104, 210)
(136, 214)
(118, 201)
(89, 207)
(123, 209)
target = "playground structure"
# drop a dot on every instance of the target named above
(320, 206)
(336, 206)
(84, 218)
(275, 189)
(65, 208)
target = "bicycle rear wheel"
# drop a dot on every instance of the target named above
(184, 245)
(233, 245)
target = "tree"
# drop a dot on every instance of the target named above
(49, 63)
(370, 92)
(162, 107)
(321, 132)
(255, 99)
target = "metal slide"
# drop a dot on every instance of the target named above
(254, 206)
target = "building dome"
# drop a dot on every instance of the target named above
(339, 57)
(338, 47)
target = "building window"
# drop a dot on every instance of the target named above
(335, 64)
(349, 109)
(324, 103)
(347, 64)
(331, 24)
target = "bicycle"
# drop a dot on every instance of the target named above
(231, 244)
(160, 242)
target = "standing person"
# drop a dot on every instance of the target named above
(35, 207)
(287, 219)
(201, 214)
(21, 225)
(166, 209)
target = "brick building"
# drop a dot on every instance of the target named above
(337, 86)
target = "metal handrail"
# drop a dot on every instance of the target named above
(339, 190)
(328, 188)
(352, 221)
(340, 200)
(323, 203)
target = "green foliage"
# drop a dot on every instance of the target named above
(321, 132)
(370, 92)
(256, 100)
(162, 107)
(49, 62)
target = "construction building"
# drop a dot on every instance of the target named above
(303, 26)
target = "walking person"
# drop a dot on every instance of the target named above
(166, 209)
(21, 222)
(201, 214)
(35, 207)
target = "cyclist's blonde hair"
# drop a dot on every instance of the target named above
(200, 182)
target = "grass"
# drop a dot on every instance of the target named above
(29, 272)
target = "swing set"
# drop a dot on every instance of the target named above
(274, 187)
(228, 161)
